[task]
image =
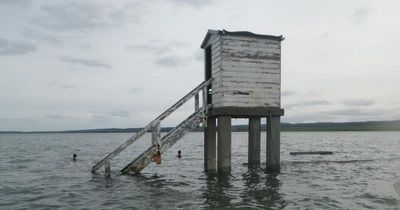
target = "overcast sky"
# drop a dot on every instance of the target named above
(96, 64)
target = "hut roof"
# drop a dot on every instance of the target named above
(238, 33)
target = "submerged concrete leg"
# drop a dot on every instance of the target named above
(254, 142)
(273, 143)
(210, 146)
(224, 144)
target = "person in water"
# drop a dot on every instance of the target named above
(74, 156)
(179, 154)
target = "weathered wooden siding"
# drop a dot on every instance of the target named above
(215, 42)
(246, 71)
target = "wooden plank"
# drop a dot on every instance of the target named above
(252, 76)
(243, 71)
(214, 39)
(236, 104)
(196, 102)
(246, 95)
(204, 96)
(215, 48)
(253, 91)
(250, 60)
(247, 111)
(250, 40)
(266, 84)
(256, 90)
(251, 46)
(250, 98)
(229, 85)
(252, 103)
(253, 66)
(156, 134)
(254, 55)
(216, 60)
(246, 48)
(235, 47)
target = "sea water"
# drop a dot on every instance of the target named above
(37, 172)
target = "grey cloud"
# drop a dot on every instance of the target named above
(307, 117)
(359, 102)
(56, 116)
(356, 112)
(318, 102)
(307, 103)
(41, 36)
(165, 52)
(199, 56)
(194, 3)
(157, 47)
(99, 117)
(338, 115)
(153, 48)
(19, 3)
(86, 62)
(121, 113)
(288, 92)
(16, 47)
(61, 85)
(135, 90)
(360, 15)
(170, 61)
(77, 16)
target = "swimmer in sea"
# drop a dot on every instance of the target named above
(179, 154)
(74, 156)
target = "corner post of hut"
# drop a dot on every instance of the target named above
(246, 72)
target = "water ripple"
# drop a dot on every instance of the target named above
(38, 173)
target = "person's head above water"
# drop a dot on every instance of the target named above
(74, 156)
(179, 154)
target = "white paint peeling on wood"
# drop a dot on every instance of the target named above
(246, 71)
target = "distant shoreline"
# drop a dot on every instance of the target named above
(285, 127)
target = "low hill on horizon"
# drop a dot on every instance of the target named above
(320, 126)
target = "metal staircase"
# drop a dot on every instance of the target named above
(166, 141)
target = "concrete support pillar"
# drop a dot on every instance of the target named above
(224, 144)
(273, 143)
(254, 142)
(107, 168)
(210, 145)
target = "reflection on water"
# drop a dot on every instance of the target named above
(262, 189)
(216, 193)
(259, 190)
